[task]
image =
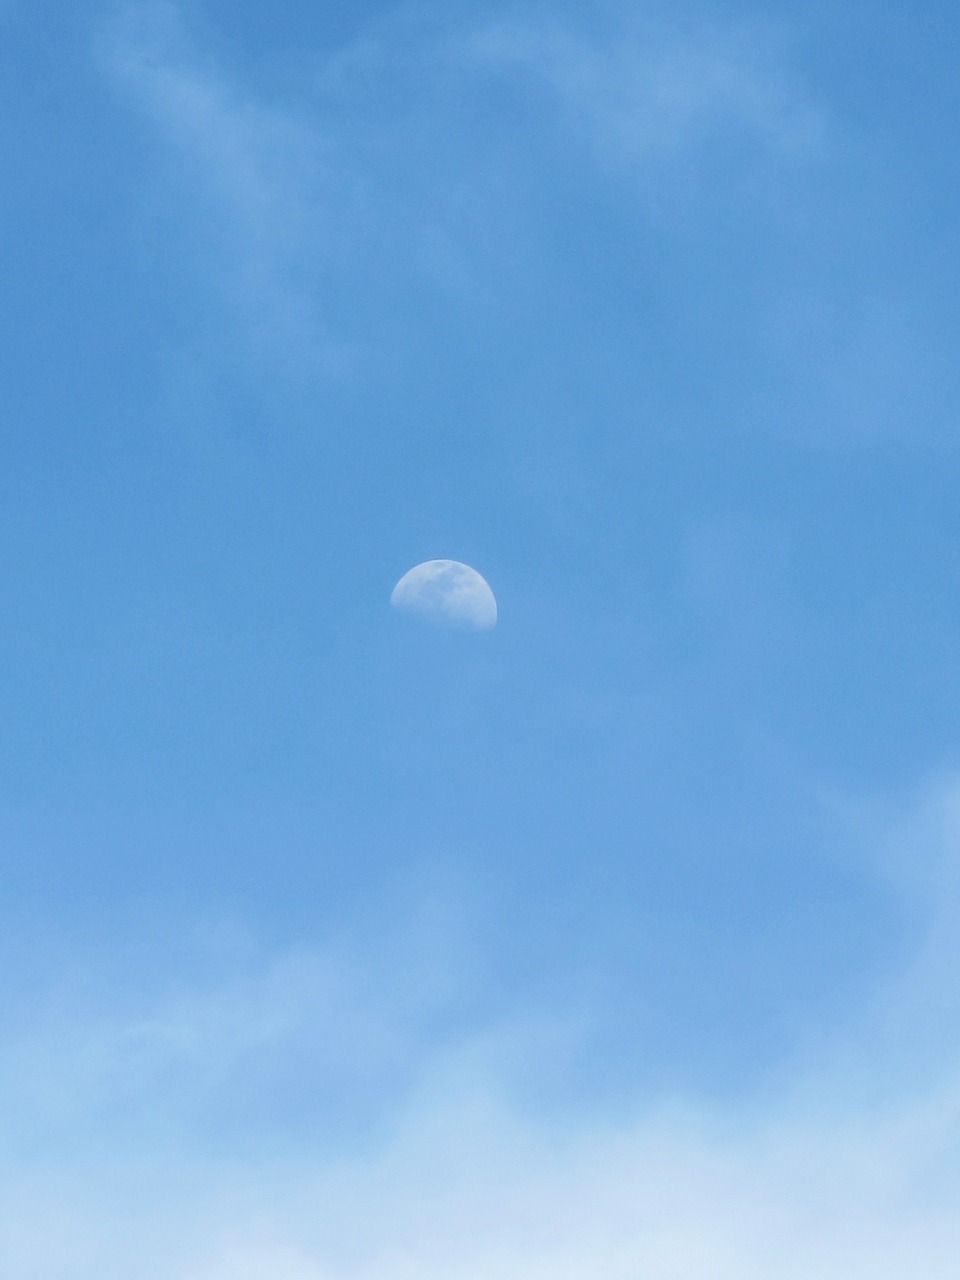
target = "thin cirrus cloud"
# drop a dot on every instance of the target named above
(643, 95)
(314, 223)
(366, 189)
(243, 169)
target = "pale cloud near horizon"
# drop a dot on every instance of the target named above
(464, 1187)
(840, 1169)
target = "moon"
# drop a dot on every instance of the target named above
(447, 593)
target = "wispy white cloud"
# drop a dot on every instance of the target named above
(388, 184)
(643, 91)
(402, 203)
(239, 171)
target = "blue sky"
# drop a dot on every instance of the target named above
(616, 941)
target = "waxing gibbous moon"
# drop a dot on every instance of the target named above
(447, 593)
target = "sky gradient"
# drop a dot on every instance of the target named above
(617, 941)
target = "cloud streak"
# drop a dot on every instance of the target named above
(645, 94)
(396, 182)
(413, 187)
